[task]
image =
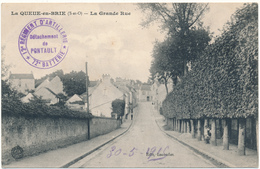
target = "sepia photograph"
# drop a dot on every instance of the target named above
(129, 85)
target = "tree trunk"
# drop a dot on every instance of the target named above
(176, 124)
(182, 126)
(179, 126)
(188, 126)
(257, 136)
(199, 130)
(226, 134)
(241, 137)
(192, 129)
(166, 87)
(205, 128)
(185, 126)
(213, 139)
(185, 67)
(173, 123)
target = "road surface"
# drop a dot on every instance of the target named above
(144, 145)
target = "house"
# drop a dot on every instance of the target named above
(127, 97)
(145, 93)
(159, 92)
(102, 96)
(22, 82)
(48, 90)
(75, 102)
(54, 85)
(27, 98)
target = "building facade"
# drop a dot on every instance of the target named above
(22, 82)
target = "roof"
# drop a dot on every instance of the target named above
(92, 83)
(51, 91)
(146, 87)
(123, 89)
(21, 76)
(90, 91)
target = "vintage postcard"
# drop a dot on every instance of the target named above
(164, 85)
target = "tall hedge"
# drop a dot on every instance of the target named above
(223, 82)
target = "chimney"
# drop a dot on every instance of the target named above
(106, 78)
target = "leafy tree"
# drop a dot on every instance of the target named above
(50, 76)
(168, 55)
(118, 107)
(62, 100)
(180, 20)
(4, 67)
(162, 68)
(74, 83)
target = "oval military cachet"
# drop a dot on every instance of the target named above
(43, 43)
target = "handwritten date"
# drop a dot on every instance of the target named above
(152, 154)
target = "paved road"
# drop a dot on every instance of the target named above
(144, 145)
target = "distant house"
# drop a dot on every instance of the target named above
(145, 93)
(159, 92)
(75, 102)
(22, 82)
(54, 85)
(27, 98)
(49, 90)
(102, 95)
(92, 86)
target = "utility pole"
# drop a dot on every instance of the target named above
(87, 101)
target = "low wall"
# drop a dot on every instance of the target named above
(38, 134)
(102, 125)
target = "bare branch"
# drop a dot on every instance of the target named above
(201, 12)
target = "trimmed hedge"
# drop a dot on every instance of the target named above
(223, 82)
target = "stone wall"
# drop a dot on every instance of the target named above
(38, 134)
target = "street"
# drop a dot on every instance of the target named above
(144, 145)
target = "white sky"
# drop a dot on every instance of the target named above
(115, 45)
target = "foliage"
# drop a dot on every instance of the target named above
(49, 76)
(168, 58)
(74, 83)
(174, 17)
(62, 100)
(185, 41)
(223, 82)
(37, 107)
(12, 105)
(118, 107)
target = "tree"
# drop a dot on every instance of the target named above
(118, 107)
(50, 76)
(167, 56)
(180, 20)
(74, 83)
(62, 100)
(162, 68)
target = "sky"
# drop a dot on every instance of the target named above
(115, 45)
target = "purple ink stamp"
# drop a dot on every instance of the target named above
(43, 43)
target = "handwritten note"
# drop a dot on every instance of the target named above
(152, 154)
